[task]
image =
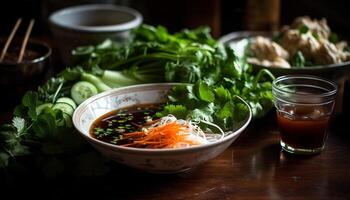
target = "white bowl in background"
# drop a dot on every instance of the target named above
(151, 160)
(91, 24)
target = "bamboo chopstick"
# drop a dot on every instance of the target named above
(25, 40)
(9, 39)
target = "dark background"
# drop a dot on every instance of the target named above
(222, 15)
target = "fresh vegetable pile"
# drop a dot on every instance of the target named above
(42, 124)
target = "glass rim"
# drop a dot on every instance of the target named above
(306, 77)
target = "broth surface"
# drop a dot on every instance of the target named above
(111, 126)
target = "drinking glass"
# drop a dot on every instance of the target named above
(304, 105)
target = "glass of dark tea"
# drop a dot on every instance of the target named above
(304, 105)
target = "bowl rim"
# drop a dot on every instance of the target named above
(144, 150)
(45, 56)
(239, 35)
(136, 21)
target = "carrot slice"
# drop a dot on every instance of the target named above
(164, 136)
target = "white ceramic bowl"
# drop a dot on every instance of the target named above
(91, 24)
(151, 160)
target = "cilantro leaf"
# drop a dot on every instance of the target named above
(222, 94)
(203, 92)
(72, 74)
(303, 29)
(178, 111)
(18, 149)
(44, 126)
(184, 94)
(203, 113)
(240, 112)
(226, 111)
(30, 100)
(19, 124)
(20, 111)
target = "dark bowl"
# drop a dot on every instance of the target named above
(17, 78)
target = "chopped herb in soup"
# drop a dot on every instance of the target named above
(113, 125)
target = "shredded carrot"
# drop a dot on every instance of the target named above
(163, 136)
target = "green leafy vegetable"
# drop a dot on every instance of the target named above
(315, 35)
(177, 110)
(218, 102)
(298, 60)
(303, 29)
(333, 38)
(203, 92)
(19, 124)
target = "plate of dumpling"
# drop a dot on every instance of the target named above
(306, 46)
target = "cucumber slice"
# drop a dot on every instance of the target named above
(42, 107)
(61, 122)
(64, 107)
(68, 120)
(68, 101)
(82, 90)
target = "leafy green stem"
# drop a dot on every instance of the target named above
(260, 74)
(57, 92)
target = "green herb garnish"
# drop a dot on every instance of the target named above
(303, 29)
(298, 60)
(333, 37)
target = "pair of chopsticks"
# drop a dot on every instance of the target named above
(25, 40)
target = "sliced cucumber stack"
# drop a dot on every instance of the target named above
(64, 107)
(42, 107)
(68, 120)
(67, 101)
(82, 90)
(67, 111)
(67, 106)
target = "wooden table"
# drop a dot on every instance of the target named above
(253, 167)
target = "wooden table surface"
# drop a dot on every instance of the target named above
(253, 167)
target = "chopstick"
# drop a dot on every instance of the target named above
(25, 40)
(9, 39)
